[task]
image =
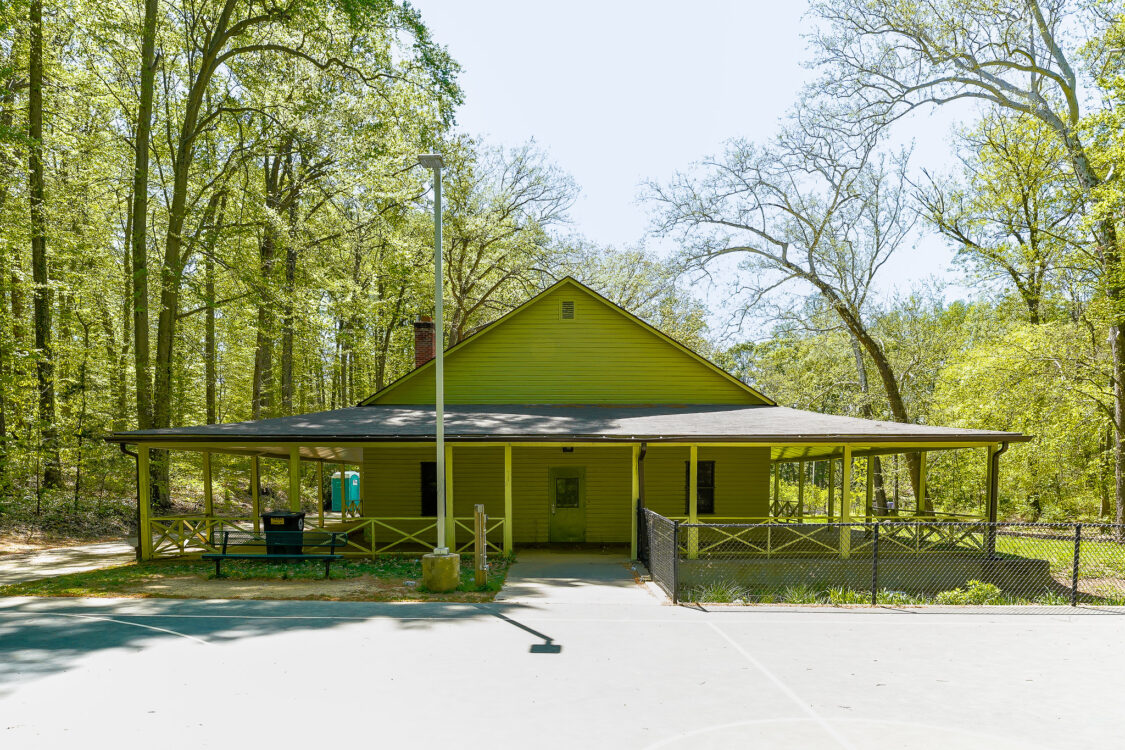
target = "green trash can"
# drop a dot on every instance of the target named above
(290, 524)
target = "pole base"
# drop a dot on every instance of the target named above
(441, 573)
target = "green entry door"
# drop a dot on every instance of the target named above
(567, 494)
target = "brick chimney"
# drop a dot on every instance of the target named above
(423, 340)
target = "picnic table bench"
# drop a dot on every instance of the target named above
(280, 546)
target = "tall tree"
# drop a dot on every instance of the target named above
(812, 209)
(41, 298)
(1013, 213)
(887, 59)
(138, 221)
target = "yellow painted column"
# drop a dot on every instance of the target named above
(846, 503)
(800, 490)
(633, 503)
(776, 509)
(320, 494)
(693, 500)
(986, 515)
(508, 520)
(144, 532)
(920, 502)
(208, 496)
(869, 494)
(256, 493)
(294, 478)
(450, 524)
(831, 488)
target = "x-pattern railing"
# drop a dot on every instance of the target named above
(423, 535)
(492, 525)
(930, 537)
(177, 535)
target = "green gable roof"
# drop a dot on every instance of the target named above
(570, 345)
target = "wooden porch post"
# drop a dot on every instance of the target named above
(776, 506)
(294, 478)
(208, 497)
(450, 524)
(846, 503)
(320, 494)
(144, 530)
(693, 501)
(508, 520)
(256, 493)
(800, 490)
(920, 505)
(636, 493)
(831, 488)
(869, 496)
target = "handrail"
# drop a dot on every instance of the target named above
(367, 535)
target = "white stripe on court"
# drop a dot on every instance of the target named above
(123, 622)
(841, 740)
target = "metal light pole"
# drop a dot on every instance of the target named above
(434, 162)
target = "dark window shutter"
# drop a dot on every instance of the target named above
(429, 488)
(704, 487)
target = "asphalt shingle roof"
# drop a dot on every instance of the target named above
(610, 423)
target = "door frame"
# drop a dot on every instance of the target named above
(560, 471)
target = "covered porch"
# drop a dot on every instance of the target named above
(746, 483)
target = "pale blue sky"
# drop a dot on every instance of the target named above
(621, 91)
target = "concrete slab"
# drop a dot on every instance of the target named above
(31, 566)
(201, 674)
(574, 576)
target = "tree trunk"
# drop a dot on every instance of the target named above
(287, 387)
(880, 501)
(263, 347)
(883, 367)
(209, 355)
(41, 299)
(139, 220)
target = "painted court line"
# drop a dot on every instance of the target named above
(121, 622)
(820, 720)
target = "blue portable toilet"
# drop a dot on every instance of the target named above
(350, 490)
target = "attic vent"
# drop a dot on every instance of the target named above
(566, 309)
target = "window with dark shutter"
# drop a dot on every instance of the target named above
(704, 489)
(429, 488)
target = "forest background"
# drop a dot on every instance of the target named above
(209, 213)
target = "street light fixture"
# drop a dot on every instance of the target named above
(435, 162)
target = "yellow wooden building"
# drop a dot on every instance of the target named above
(561, 417)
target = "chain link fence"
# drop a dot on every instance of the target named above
(656, 548)
(915, 562)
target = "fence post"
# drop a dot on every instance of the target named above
(480, 539)
(675, 562)
(875, 566)
(1074, 575)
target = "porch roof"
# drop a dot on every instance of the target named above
(796, 433)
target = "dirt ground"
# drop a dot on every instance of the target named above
(363, 588)
(13, 542)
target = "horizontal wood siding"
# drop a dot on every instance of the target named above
(390, 483)
(390, 486)
(608, 484)
(742, 480)
(599, 357)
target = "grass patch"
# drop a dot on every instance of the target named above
(973, 593)
(382, 579)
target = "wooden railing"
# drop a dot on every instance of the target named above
(179, 535)
(724, 536)
(367, 536)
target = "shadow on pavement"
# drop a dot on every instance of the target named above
(43, 636)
